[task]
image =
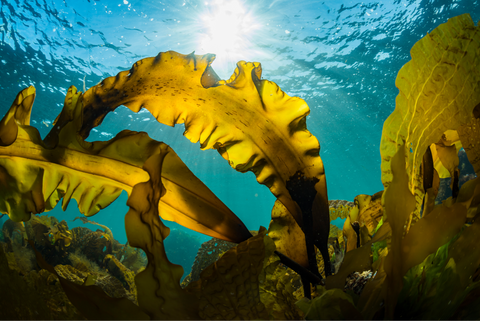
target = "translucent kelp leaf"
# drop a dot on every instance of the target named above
(367, 212)
(36, 174)
(18, 115)
(251, 122)
(439, 88)
(350, 235)
(288, 236)
(448, 156)
(445, 153)
(378, 248)
(370, 211)
(34, 177)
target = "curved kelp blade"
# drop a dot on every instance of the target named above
(158, 286)
(36, 174)
(189, 202)
(19, 114)
(251, 122)
(34, 178)
(439, 88)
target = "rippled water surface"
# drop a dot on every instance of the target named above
(342, 57)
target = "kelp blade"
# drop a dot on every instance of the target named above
(251, 122)
(439, 88)
(36, 174)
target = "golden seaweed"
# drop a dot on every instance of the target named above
(263, 131)
(434, 97)
(94, 174)
(251, 122)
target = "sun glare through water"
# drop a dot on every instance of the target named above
(227, 31)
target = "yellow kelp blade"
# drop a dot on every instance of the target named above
(287, 235)
(448, 157)
(439, 89)
(20, 115)
(370, 210)
(189, 202)
(35, 175)
(251, 122)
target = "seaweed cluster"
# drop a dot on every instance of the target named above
(79, 255)
(339, 209)
(401, 253)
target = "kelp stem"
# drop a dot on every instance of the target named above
(356, 228)
(307, 291)
(303, 272)
(308, 230)
(302, 190)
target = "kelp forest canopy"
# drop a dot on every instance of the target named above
(257, 127)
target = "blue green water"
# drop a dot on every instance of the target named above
(342, 57)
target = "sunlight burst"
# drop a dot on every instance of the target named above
(228, 28)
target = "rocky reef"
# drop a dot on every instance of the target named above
(80, 255)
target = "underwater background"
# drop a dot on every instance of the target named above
(341, 57)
